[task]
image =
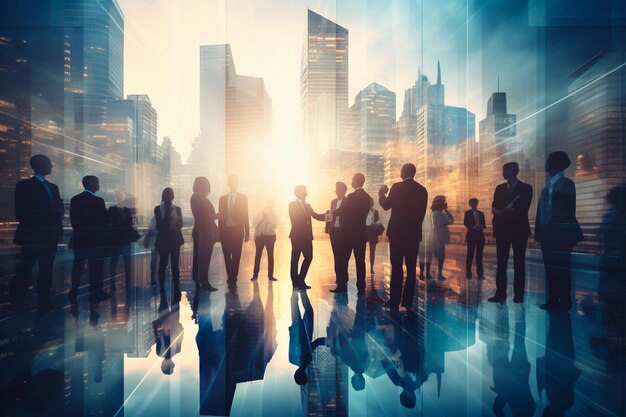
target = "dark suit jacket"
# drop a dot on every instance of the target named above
(514, 224)
(168, 238)
(353, 212)
(301, 228)
(407, 201)
(40, 217)
(239, 215)
(90, 221)
(469, 221)
(333, 206)
(562, 230)
(121, 225)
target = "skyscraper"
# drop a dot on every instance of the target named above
(324, 81)
(498, 145)
(235, 121)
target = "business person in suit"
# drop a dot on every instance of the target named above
(301, 343)
(204, 232)
(407, 201)
(122, 234)
(511, 201)
(335, 231)
(265, 224)
(168, 334)
(234, 227)
(557, 229)
(301, 235)
(354, 214)
(39, 211)
(169, 222)
(91, 226)
(474, 222)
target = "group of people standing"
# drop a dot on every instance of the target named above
(351, 223)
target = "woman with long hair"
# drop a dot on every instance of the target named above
(441, 234)
(169, 222)
(204, 233)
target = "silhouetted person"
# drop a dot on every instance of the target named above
(557, 229)
(510, 205)
(149, 243)
(301, 343)
(168, 333)
(169, 222)
(441, 233)
(265, 224)
(407, 201)
(510, 377)
(39, 211)
(234, 227)
(374, 229)
(354, 213)
(205, 232)
(556, 371)
(301, 235)
(426, 247)
(335, 229)
(91, 225)
(474, 222)
(612, 283)
(122, 234)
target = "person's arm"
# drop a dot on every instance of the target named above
(450, 218)
(21, 202)
(316, 216)
(386, 197)
(179, 218)
(246, 221)
(421, 209)
(467, 221)
(345, 206)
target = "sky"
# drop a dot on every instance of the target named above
(389, 40)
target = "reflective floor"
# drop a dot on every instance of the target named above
(236, 352)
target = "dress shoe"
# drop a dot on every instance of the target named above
(272, 279)
(210, 288)
(360, 292)
(549, 306)
(497, 299)
(469, 277)
(303, 286)
(518, 299)
(441, 277)
(254, 278)
(339, 290)
(480, 276)
(177, 297)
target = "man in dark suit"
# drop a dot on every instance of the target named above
(90, 222)
(354, 213)
(39, 211)
(510, 205)
(334, 230)
(407, 201)
(474, 221)
(301, 235)
(234, 227)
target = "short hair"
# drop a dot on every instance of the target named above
(37, 160)
(89, 180)
(473, 200)
(201, 185)
(300, 376)
(297, 188)
(167, 196)
(119, 193)
(359, 179)
(616, 197)
(559, 160)
(407, 399)
(513, 166)
(342, 185)
(408, 171)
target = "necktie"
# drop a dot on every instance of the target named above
(47, 187)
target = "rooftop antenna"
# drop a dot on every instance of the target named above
(498, 83)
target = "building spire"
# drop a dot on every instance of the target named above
(498, 83)
(438, 73)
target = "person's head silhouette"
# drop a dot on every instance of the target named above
(167, 366)
(407, 171)
(407, 399)
(41, 164)
(300, 192)
(557, 162)
(91, 183)
(202, 186)
(358, 180)
(300, 376)
(358, 382)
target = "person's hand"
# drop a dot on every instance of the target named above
(383, 190)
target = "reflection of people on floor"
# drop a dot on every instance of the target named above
(149, 243)
(301, 343)
(404, 364)
(349, 345)
(612, 286)
(168, 333)
(441, 220)
(510, 377)
(556, 371)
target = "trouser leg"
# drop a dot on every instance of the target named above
(503, 245)
(410, 257)
(519, 265)
(359, 259)
(271, 240)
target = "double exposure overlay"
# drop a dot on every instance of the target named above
(312, 208)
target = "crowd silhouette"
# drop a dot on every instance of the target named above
(352, 223)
